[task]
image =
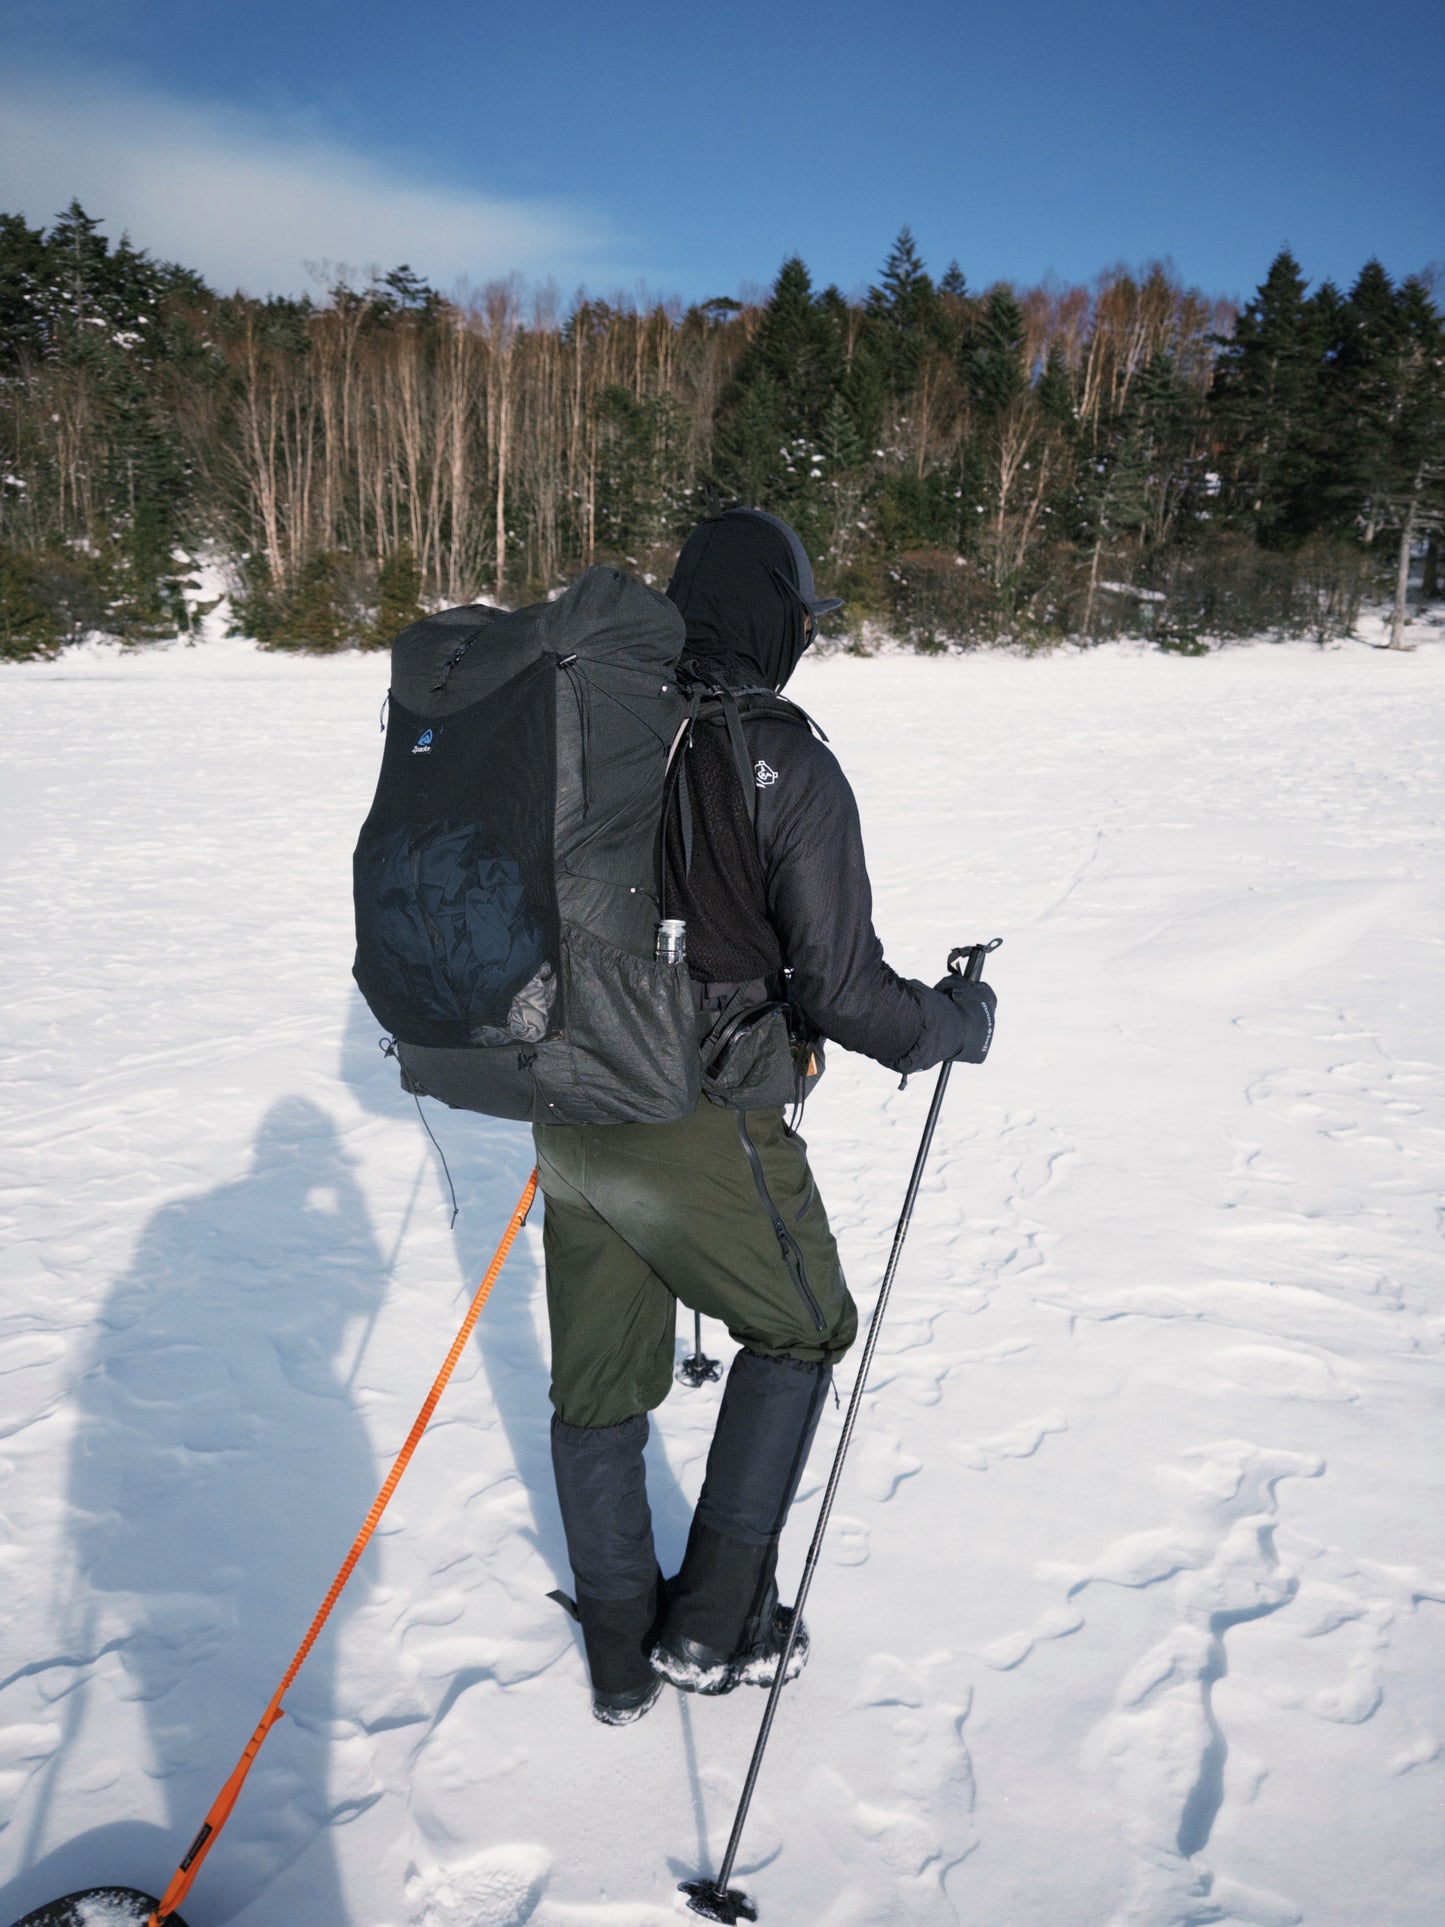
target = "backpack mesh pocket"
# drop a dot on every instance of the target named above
(450, 935)
(456, 913)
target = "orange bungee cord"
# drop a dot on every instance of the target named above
(225, 1800)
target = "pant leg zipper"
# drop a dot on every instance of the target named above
(788, 1245)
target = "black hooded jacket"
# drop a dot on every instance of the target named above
(744, 589)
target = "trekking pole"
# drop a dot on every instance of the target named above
(699, 1369)
(226, 1799)
(714, 1899)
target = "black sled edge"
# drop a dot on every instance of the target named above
(98, 1907)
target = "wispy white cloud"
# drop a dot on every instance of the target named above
(248, 201)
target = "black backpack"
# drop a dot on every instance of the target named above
(509, 878)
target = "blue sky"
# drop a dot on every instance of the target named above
(688, 148)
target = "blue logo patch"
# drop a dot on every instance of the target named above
(422, 745)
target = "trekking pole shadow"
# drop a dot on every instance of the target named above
(694, 1779)
(518, 1371)
(480, 1151)
(487, 1154)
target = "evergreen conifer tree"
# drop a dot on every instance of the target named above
(635, 447)
(1368, 400)
(1267, 397)
(311, 616)
(28, 625)
(903, 314)
(96, 319)
(1054, 391)
(398, 596)
(839, 441)
(1389, 380)
(770, 419)
(137, 410)
(26, 277)
(749, 466)
(993, 356)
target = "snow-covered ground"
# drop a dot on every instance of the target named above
(1133, 1607)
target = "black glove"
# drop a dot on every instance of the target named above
(975, 1004)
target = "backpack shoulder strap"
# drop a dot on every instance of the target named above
(767, 702)
(717, 703)
(675, 785)
(724, 706)
(741, 760)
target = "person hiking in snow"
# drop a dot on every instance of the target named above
(719, 1211)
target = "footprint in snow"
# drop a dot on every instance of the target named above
(883, 1465)
(1162, 1742)
(1421, 1752)
(24, 1750)
(1020, 1441)
(912, 1819)
(921, 1383)
(1012, 1649)
(1346, 1624)
(1280, 1371)
(847, 1543)
(498, 1888)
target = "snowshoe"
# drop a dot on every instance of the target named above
(621, 1709)
(624, 1685)
(758, 1665)
(694, 1668)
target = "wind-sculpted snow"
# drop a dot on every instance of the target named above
(1132, 1610)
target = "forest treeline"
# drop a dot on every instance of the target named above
(964, 466)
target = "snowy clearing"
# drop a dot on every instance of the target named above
(1132, 1613)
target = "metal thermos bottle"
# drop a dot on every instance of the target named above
(671, 940)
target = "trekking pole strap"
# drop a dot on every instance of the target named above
(225, 1800)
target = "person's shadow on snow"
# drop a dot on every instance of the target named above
(218, 1472)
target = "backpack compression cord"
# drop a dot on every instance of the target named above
(226, 1799)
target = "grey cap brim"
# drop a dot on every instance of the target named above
(816, 605)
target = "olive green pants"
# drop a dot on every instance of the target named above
(718, 1211)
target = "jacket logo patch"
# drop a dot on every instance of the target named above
(422, 745)
(764, 776)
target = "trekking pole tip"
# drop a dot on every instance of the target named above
(727, 1904)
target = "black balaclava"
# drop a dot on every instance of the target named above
(743, 585)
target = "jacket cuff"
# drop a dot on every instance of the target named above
(941, 1033)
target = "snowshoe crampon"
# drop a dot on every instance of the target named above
(728, 1905)
(99, 1907)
